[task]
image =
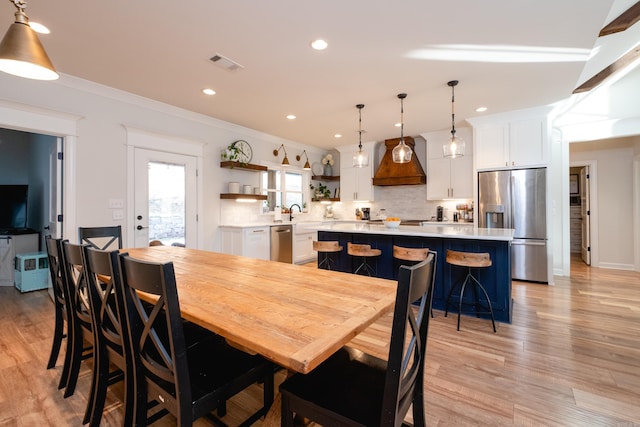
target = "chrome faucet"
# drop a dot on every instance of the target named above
(291, 210)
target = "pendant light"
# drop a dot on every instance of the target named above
(402, 152)
(455, 147)
(360, 158)
(21, 52)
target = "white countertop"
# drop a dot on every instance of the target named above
(430, 230)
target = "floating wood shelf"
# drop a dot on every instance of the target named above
(325, 178)
(330, 199)
(244, 166)
(233, 196)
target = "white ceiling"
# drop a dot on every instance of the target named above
(160, 49)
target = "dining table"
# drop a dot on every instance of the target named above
(294, 315)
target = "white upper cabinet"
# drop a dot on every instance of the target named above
(449, 178)
(355, 183)
(512, 142)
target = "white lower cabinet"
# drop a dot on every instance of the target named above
(303, 244)
(253, 242)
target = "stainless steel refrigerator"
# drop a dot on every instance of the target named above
(517, 199)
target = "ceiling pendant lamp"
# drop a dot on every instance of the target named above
(21, 53)
(360, 158)
(455, 147)
(402, 152)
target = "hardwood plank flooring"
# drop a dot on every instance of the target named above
(570, 358)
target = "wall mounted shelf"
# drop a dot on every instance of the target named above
(232, 196)
(243, 166)
(325, 178)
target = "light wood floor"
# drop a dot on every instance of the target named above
(570, 358)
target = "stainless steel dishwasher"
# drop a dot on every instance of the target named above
(282, 243)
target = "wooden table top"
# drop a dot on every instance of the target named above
(294, 315)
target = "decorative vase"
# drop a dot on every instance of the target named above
(328, 170)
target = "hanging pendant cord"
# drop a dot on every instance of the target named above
(453, 116)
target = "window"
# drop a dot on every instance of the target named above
(285, 187)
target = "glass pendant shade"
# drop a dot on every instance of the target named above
(402, 152)
(22, 54)
(360, 158)
(455, 147)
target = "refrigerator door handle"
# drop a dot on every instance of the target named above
(515, 242)
(512, 200)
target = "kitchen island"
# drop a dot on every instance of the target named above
(438, 238)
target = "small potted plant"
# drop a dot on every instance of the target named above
(321, 191)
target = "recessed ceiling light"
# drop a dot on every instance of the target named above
(39, 28)
(291, 117)
(481, 109)
(208, 91)
(337, 135)
(319, 44)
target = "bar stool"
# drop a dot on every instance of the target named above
(363, 252)
(411, 255)
(470, 260)
(325, 249)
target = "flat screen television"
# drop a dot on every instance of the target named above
(13, 206)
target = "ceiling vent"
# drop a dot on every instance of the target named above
(226, 63)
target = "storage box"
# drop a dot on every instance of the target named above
(31, 271)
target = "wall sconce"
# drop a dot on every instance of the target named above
(306, 166)
(285, 161)
(21, 52)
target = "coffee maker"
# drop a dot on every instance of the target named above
(366, 214)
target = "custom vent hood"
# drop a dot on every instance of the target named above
(389, 173)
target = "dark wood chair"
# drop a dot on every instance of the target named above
(61, 307)
(188, 381)
(80, 330)
(104, 238)
(111, 332)
(353, 388)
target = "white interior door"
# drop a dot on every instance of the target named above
(165, 198)
(586, 215)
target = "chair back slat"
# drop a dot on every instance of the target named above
(55, 269)
(408, 344)
(104, 238)
(73, 271)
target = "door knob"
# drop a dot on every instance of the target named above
(140, 227)
(139, 217)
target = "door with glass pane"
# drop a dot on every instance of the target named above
(165, 198)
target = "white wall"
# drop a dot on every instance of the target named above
(614, 158)
(100, 160)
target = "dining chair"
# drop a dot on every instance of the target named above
(188, 381)
(104, 238)
(80, 331)
(61, 330)
(111, 332)
(353, 388)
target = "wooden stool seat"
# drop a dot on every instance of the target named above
(325, 248)
(364, 252)
(410, 254)
(470, 260)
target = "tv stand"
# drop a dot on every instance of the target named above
(13, 242)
